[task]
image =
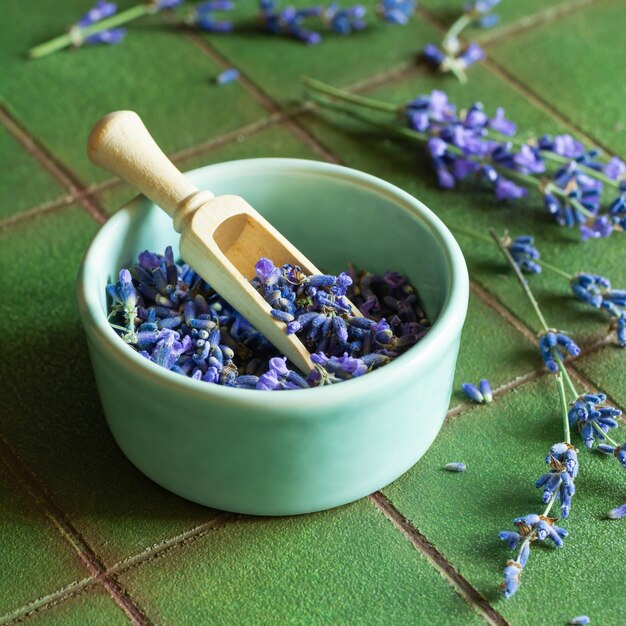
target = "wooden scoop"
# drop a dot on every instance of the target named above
(221, 238)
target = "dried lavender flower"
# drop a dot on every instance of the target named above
(176, 320)
(455, 467)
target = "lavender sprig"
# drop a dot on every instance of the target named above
(450, 56)
(100, 26)
(470, 144)
(593, 418)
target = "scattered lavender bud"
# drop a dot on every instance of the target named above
(581, 619)
(617, 513)
(227, 76)
(472, 393)
(485, 390)
(396, 11)
(455, 467)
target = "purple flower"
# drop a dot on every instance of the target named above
(101, 10)
(596, 228)
(162, 5)
(590, 288)
(524, 254)
(511, 575)
(563, 462)
(507, 190)
(580, 619)
(227, 76)
(396, 11)
(615, 169)
(551, 346)
(528, 161)
(345, 21)
(433, 54)
(472, 393)
(455, 467)
(619, 452)
(205, 20)
(592, 417)
(485, 390)
(500, 124)
(618, 512)
(472, 54)
(564, 145)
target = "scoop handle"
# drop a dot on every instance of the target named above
(122, 145)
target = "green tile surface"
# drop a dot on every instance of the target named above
(34, 557)
(92, 606)
(582, 82)
(24, 182)
(349, 565)
(503, 446)
(409, 167)
(605, 370)
(275, 141)
(490, 348)
(345, 566)
(60, 431)
(154, 71)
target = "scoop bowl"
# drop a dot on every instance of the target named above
(289, 452)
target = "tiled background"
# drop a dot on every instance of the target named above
(86, 539)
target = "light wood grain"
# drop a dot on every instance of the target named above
(222, 237)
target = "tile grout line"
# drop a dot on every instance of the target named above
(48, 601)
(525, 23)
(153, 552)
(461, 585)
(51, 164)
(265, 100)
(41, 209)
(84, 552)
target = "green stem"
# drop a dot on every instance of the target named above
(457, 27)
(564, 406)
(554, 269)
(566, 376)
(399, 131)
(66, 40)
(605, 435)
(481, 237)
(471, 233)
(521, 279)
(369, 103)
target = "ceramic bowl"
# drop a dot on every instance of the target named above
(277, 453)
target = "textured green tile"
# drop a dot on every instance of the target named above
(605, 369)
(408, 166)
(60, 430)
(581, 81)
(34, 557)
(155, 71)
(509, 12)
(93, 606)
(24, 183)
(277, 63)
(275, 141)
(348, 565)
(503, 446)
(490, 348)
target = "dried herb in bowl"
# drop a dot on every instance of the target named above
(171, 316)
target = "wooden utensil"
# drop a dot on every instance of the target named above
(222, 237)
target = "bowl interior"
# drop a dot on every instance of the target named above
(333, 215)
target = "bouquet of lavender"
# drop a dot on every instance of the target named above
(579, 187)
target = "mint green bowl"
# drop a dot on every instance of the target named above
(278, 453)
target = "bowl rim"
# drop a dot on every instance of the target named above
(445, 327)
